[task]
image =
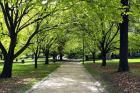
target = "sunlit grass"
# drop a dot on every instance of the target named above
(134, 60)
(25, 75)
(103, 78)
(112, 66)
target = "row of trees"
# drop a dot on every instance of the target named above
(66, 26)
(22, 22)
(105, 26)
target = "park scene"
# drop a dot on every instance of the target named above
(69, 46)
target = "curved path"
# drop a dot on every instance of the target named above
(70, 77)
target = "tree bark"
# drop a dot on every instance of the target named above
(47, 56)
(7, 69)
(93, 57)
(54, 55)
(103, 59)
(86, 58)
(123, 64)
(36, 58)
(61, 57)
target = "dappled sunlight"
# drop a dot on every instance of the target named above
(97, 83)
(24, 76)
(93, 86)
(69, 78)
(54, 83)
(14, 84)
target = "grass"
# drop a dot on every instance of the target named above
(24, 76)
(113, 63)
(104, 78)
(132, 60)
(105, 75)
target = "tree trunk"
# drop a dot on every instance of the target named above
(36, 58)
(8, 60)
(47, 56)
(103, 59)
(86, 58)
(7, 69)
(54, 58)
(54, 55)
(61, 57)
(93, 57)
(123, 64)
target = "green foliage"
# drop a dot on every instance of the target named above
(66, 25)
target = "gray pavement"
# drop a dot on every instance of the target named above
(70, 77)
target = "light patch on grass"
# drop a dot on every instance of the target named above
(135, 60)
(104, 78)
(25, 75)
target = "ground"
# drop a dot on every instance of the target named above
(71, 77)
(24, 76)
(116, 82)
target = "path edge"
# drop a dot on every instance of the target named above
(38, 83)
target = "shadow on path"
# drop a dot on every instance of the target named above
(71, 77)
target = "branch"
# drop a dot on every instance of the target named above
(5, 16)
(27, 43)
(30, 38)
(35, 20)
(3, 50)
(109, 42)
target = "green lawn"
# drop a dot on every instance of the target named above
(134, 64)
(104, 78)
(105, 74)
(25, 75)
(133, 60)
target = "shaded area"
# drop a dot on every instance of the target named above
(24, 76)
(114, 82)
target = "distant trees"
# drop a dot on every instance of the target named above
(36, 48)
(46, 45)
(109, 18)
(61, 40)
(100, 24)
(91, 45)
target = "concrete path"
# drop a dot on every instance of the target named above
(69, 78)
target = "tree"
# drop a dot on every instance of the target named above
(47, 44)
(98, 22)
(35, 47)
(92, 43)
(123, 64)
(36, 51)
(62, 38)
(18, 15)
(107, 42)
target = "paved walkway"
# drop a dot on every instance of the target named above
(69, 78)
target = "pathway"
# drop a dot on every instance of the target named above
(69, 78)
